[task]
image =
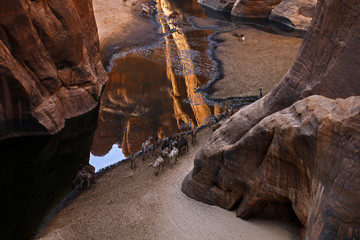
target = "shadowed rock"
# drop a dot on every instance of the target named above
(50, 65)
(327, 65)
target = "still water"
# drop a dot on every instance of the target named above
(150, 90)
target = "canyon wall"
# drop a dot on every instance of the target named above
(306, 157)
(50, 68)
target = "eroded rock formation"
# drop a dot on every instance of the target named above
(223, 6)
(327, 65)
(50, 65)
(294, 13)
(254, 8)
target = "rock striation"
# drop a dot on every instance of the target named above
(50, 64)
(295, 14)
(326, 65)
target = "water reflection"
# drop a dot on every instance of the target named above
(150, 91)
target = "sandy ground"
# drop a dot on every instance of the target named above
(121, 25)
(136, 204)
(246, 72)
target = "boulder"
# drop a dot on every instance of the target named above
(254, 8)
(50, 65)
(295, 14)
(218, 5)
(327, 65)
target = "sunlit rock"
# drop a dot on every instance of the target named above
(296, 14)
(254, 8)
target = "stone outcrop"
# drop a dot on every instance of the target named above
(296, 14)
(50, 64)
(327, 65)
(218, 5)
(254, 8)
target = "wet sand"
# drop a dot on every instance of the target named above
(136, 204)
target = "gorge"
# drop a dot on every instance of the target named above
(292, 155)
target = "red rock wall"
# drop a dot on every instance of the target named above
(49, 64)
(328, 65)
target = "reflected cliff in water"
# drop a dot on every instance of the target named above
(152, 90)
(37, 173)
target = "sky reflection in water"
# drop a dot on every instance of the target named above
(113, 156)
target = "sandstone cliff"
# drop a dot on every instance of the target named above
(327, 65)
(50, 65)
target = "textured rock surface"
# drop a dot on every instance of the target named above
(254, 8)
(218, 5)
(327, 64)
(49, 64)
(306, 155)
(295, 14)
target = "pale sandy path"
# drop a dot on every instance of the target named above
(135, 204)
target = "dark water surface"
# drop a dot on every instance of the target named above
(150, 90)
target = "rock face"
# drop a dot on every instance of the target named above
(50, 65)
(254, 8)
(218, 5)
(304, 155)
(327, 65)
(294, 13)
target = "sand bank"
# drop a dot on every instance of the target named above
(136, 204)
(258, 62)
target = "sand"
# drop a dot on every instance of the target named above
(136, 204)
(246, 72)
(121, 25)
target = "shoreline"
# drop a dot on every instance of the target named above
(123, 26)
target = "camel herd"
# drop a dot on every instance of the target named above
(167, 150)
